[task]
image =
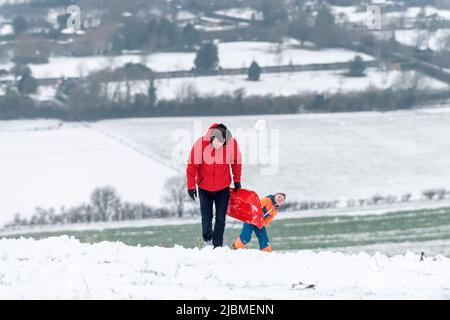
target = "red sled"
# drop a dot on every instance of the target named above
(244, 205)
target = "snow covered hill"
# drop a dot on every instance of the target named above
(64, 268)
(335, 156)
(342, 156)
(48, 163)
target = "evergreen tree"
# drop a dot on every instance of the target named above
(138, 34)
(27, 84)
(324, 32)
(62, 20)
(19, 24)
(300, 29)
(207, 57)
(191, 36)
(357, 67)
(152, 94)
(17, 71)
(273, 11)
(254, 72)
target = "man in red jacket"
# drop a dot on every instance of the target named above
(209, 167)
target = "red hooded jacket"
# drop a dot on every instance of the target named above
(209, 168)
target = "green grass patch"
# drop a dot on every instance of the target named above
(289, 234)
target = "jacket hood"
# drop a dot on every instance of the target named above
(228, 135)
(209, 132)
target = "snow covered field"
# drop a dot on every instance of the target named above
(51, 164)
(282, 84)
(349, 14)
(231, 55)
(423, 39)
(64, 268)
(320, 156)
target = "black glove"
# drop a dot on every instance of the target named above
(237, 186)
(192, 193)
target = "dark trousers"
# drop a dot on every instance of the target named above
(220, 199)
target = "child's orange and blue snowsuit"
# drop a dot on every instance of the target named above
(270, 210)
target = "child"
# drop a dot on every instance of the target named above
(270, 205)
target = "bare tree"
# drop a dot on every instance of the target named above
(429, 194)
(105, 203)
(175, 194)
(441, 193)
(186, 92)
(406, 197)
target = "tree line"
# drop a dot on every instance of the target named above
(106, 205)
(88, 103)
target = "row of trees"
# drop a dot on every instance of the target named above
(321, 30)
(153, 35)
(431, 194)
(350, 203)
(378, 199)
(90, 101)
(436, 194)
(106, 205)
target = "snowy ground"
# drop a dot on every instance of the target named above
(437, 40)
(282, 84)
(51, 164)
(231, 55)
(64, 268)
